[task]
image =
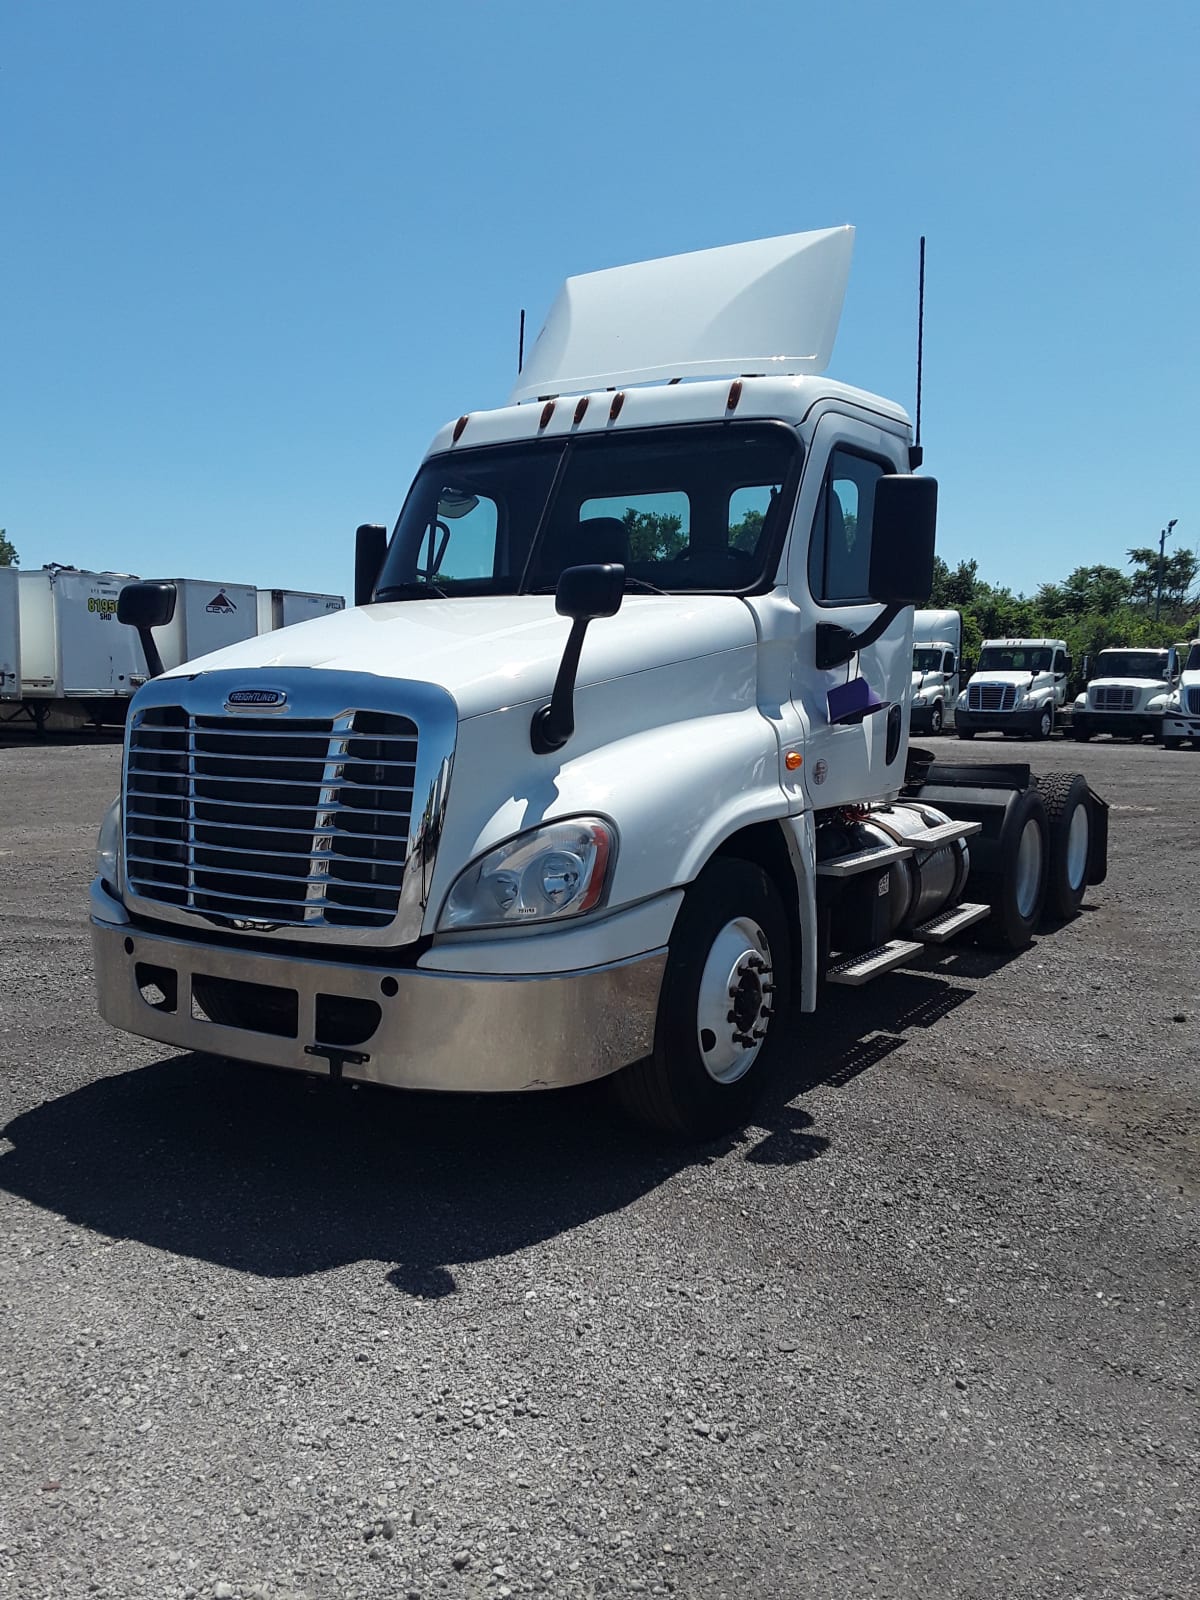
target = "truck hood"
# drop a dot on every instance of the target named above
(492, 651)
(1141, 684)
(1023, 680)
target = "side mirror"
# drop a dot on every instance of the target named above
(146, 606)
(951, 664)
(370, 547)
(583, 594)
(1067, 664)
(903, 525)
(1172, 663)
(1087, 669)
(903, 530)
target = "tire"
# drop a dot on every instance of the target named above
(1016, 887)
(732, 926)
(965, 733)
(1082, 735)
(1065, 796)
(937, 721)
(1172, 744)
(1045, 723)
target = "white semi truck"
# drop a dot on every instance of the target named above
(1018, 688)
(937, 652)
(1127, 692)
(606, 772)
(1181, 712)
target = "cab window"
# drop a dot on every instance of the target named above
(839, 553)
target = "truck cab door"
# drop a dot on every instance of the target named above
(851, 754)
(1061, 667)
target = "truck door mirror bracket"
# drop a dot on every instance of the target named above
(583, 594)
(836, 645)
(146, 606)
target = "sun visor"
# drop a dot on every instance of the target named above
(768, 307)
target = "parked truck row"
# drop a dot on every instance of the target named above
(554, 803)
(63, 653)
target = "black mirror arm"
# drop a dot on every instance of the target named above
(154, 661)
(554, 724)
(836, 645)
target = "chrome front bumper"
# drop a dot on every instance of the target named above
(436, 1030)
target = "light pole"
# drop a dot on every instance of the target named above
(1162, 549)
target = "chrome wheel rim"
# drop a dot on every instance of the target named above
(935, 721)
(736, 1000)
(1078, 839)
(1029, 869)
(1046, 724)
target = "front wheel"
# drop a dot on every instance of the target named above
(1172, 744)
(936, 720)
(1045, 723)
(725, 997)
(1082, 735)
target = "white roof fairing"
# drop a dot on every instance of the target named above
(770, 306)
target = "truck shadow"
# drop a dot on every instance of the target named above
(281, 1176)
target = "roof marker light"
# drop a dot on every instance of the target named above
(579, 411)
(735, 394)
(458, 428)
(614, 411)
(547, 413)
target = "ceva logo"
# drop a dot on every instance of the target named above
(221, 603)
(251, 699)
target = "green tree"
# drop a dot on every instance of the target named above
(1178, 577)
(653, 535)
(8, 551)
(744, 535)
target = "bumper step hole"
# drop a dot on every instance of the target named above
(159, 986)
(343, 1020)
(257, 1007)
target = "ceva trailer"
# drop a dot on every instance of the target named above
(607, 771)
(207, 616)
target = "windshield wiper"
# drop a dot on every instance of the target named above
(410, 591)
(641, 585)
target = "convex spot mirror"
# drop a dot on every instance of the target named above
(146, 605)
(903, 529)
(584, 593)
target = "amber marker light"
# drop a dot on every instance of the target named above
(792, 760)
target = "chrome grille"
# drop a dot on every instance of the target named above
(292, 822)
(1193, 701)
(991, 697)
(1110, 697)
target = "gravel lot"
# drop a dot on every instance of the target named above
(929, 1329)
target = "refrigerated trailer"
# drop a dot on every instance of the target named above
(607, 771)
(10, 635)
(207, 617)
(75, 658)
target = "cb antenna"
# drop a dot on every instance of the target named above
(916, 452)
(521, 342)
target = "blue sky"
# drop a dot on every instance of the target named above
(254, 254)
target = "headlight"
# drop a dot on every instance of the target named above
(961, 703)
(1081, 702)
(108, 846)
(559, 870)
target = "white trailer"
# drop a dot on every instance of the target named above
(208, 616)
(279, 608)
(561, 797)
(10, 635)
(75, 657)
(937, 662)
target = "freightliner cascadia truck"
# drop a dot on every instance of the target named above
(606, 772)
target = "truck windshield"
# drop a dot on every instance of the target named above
(1015, 658)
(1131, 664)
(1193, 660)
(702, 508)
(926, 660)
